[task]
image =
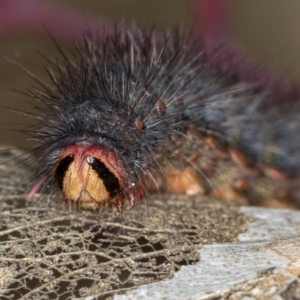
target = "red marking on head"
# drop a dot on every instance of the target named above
(82, 150)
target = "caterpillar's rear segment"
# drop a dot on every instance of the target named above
(225, 172)
(144, 111)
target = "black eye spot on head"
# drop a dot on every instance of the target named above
(62, 169)
(110, 181)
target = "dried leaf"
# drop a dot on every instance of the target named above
(169, 247)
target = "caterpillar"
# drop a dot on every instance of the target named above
(145, 110)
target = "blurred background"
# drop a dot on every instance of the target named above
(268, 31)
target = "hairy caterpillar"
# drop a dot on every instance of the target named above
(144, 110)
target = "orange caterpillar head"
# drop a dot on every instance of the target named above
(93, 176)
